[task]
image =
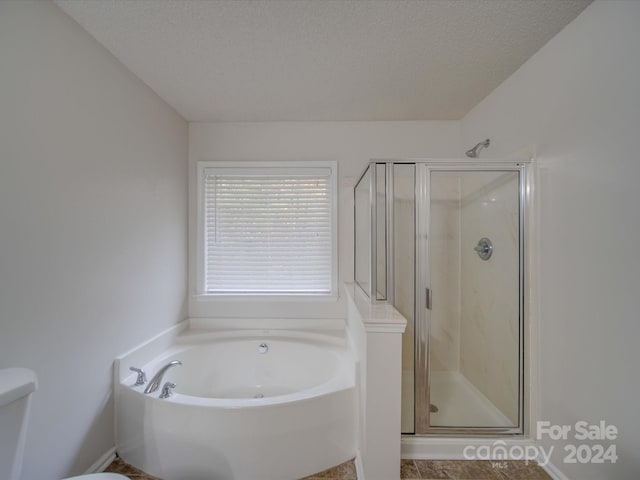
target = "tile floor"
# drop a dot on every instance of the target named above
(118, 466)
(409, 470)
(471, 470)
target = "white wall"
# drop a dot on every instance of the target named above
(352, 144)
(577, 100)
(93, 222)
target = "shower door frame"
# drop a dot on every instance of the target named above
(422, 387)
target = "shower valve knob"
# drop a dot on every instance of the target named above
(484, 248)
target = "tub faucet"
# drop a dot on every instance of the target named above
(154, 384)
(167, 390)
(142, 377)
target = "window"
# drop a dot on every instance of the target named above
(267, 228)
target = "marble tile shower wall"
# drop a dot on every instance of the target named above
(474, 318)
(444, 229)
(489, 308)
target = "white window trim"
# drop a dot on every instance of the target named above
(256, 167)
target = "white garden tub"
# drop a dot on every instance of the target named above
(240, 412)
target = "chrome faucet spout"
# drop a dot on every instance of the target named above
(155, 382)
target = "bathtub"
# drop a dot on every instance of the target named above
(248, 404)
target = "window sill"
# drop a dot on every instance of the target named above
(332, 298)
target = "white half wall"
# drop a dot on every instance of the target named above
(93, 226)
(351, 144)
(577, 103)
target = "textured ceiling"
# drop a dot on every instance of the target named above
(276, 60)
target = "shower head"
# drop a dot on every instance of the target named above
(473, 152)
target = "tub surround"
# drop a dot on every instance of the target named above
(246, 388)
(202, 329)
(369, 428)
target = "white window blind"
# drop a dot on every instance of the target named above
(268, 230)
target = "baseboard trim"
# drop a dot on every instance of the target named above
(451, 453)
(103, 462)
(359, 466)
(425, 448)
(439, 448)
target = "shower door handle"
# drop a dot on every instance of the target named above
(427, 299)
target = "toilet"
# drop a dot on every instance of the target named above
(16, 387)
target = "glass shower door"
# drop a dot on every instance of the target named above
(403, 274)
(470, 343)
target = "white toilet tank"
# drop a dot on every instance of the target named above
(16, 387)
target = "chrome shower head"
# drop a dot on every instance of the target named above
(473, 152)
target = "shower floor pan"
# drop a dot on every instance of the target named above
(459, 403)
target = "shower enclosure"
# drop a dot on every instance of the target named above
(444, 243)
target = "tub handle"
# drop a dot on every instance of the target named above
(167, 390)
(142, 377)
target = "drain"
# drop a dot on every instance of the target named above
(258, 395)
(433, 408)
